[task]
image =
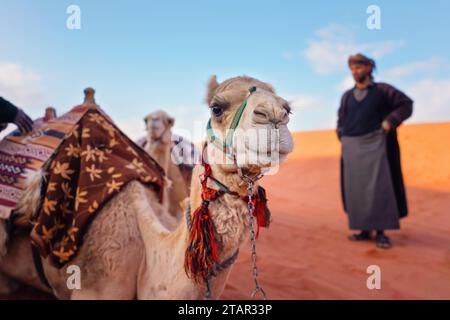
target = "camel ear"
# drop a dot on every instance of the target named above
(170, 121)
(146, 120)
(212, 86)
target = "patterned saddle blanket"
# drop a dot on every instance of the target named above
(87, 161)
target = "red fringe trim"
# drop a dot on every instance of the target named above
(201, 255)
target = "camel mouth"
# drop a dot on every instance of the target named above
(266, 157)
(262, 146)
(266, 164)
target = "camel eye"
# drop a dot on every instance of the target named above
(217, 111)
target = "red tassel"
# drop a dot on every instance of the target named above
(261, 211)
(201, 254)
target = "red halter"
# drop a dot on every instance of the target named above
(201, 255)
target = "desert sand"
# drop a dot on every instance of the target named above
(305, 253)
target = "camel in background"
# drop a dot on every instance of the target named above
(159, 143)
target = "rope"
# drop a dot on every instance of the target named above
(228, 142)
(209, 194)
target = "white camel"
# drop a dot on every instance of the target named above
(128, 252)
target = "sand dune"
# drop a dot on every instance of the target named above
(305, 253)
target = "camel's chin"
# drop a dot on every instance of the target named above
(283, 156)
(262, 159)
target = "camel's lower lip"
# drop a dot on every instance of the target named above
(263, 164)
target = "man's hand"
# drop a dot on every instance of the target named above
(23, 121)
(386, 126)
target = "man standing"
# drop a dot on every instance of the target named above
(9, 113)
(372, 186)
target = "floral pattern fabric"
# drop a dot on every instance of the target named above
(93, 164)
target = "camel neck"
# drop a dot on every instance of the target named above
(227, 173)
(186, 288)
(229, 216)
(230, 179)
(160, 151)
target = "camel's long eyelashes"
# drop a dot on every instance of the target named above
(218, 106)
(217, 111)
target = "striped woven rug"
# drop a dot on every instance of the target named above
(22, 156)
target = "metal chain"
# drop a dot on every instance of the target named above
(208, 295)
(251, 218)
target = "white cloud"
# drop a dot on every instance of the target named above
(408, 71)
(329, 52)
(302, 102)
(133, 128)
(431, 95)
(424, 67)
(311, 112)
(21, 86)
(345, 84)
(431, 100)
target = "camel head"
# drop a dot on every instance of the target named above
(248, 121)
(247, 133)
(158, 125)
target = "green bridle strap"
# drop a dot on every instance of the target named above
(222, 145)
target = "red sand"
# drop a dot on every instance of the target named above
(305, 253)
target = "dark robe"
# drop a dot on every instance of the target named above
(8, 111)
(393, 106)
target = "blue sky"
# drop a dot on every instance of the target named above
(146, 55)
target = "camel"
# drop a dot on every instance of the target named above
(158, 144)
(128, 252)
